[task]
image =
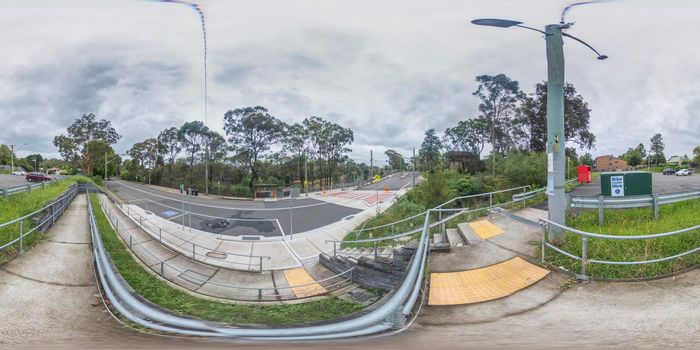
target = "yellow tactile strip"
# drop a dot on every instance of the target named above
(485, 229)
(486, 283)
(307, 285)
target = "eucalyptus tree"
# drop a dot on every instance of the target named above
(83, 130)
(192, 136)
(657, 148)
(396, 160)
(251, 131)
(170, 144)
(328, 143)
(430, 155)
(531, 120)
(469, 135)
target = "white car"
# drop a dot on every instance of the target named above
(682, 172)
(20, 173)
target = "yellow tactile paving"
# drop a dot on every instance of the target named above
(487, 283)
(485, 229)
(307, 285)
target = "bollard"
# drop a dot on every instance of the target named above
(584, 256)
(544, 235)
(193, 256)
(21, 238)
(600, 210)
(655, 205)
(130, 241)
(161, 269)
(260, 262)
(334, 248)
(259, 294)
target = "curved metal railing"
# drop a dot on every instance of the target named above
(56, 208)
(585, 260)
(391, 313)
(177, 244)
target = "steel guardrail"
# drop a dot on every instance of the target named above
(654, 201)
(390, 314)
(584, 245)
(178, 246)
(8, 191)
(62, 201)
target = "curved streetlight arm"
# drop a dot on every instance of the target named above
(600, 57)
(526, 27)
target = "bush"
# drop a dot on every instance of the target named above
(241, 190)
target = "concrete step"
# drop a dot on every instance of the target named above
(469, 236)
(454, 238)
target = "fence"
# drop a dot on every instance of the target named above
(653, 201)
(5, 192)
(584, 259)
(483, 201)
(391, 312)
(179, 245)
(51, 213)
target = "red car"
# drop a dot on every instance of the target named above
(37, 177)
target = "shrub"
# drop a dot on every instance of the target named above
(241, 190)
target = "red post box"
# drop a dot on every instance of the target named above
(584, 173)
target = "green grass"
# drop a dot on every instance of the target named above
(179, 302)
(24, 203)
(637, 221)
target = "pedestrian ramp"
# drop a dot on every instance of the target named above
(306, 286)
(485, 229)
(483, 284)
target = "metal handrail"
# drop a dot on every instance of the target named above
(54, 214)
(439, 207)
(8, 191)
(390, 314)
(174, 246)
(584, 259)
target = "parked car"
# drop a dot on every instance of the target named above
(682, 172)
(37, 177)
(19, 173)
(669, 171)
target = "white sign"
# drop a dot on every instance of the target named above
(550, 162)
(550, 184)
(617, 186)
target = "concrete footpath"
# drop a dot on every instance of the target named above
(49, 294)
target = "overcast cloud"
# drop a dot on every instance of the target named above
(387, 69)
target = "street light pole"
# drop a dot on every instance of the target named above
(556, 141)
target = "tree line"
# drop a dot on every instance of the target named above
(508, 121)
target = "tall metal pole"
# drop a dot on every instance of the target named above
(12, 158)
(414, 167)
(556, 141)
(105, 166)
(306, 176)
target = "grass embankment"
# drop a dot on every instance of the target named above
(637, 221)
(158, 292)
(24, 203)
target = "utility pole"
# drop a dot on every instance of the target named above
(556, 141)
(105, 177)
(12, 158)
(414, 167)
(371, 163)
(306, 176)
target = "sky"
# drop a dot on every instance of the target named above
(389, 70)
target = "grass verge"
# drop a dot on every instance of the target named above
(637, 221)
(179, 302)
(24, 203)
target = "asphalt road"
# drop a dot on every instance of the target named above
(10, 181)
(234, 217)
(659, 184)
(393, 182)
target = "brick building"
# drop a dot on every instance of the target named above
(610, 163)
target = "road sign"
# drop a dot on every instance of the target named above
(617, 186)
(377, 178)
